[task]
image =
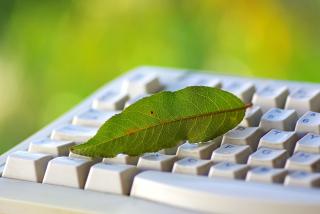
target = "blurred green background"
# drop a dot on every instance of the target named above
(55, 53)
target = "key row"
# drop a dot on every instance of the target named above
(237, 146)
(64, 137)
(282, 119)
(269, 96)
(139, 85)
(264, 156)
(118, 178)
(274, 118)
(85, 125)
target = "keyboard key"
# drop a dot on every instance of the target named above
(67, 171)
(309, 143)
(231, 153)
(210, 82)
(77, 134)
(195, 80)
(172, 150)
(74, 155)
(202, 194)
(275, 158)
(277, 139)
(281, 119)
(198, 150)
(304, 99)
(111, 101)
(93, 118)
(48, 146)
(229, 170)
(169, 151)
(252, 117)
(244, 90)
(27, 166)
(270, 96)
(122, 159)
(156, 161)
(266, 174)
(135, 99)
(309, 122)
(110, 178)
(140, 83)
(304, 161)
(190, 165)
(302, 179)
(243, 136)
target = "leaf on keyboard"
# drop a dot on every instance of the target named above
(196, 113)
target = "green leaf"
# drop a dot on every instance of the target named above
(196, 113)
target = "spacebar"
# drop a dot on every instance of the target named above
(223, 196)
(25, 197)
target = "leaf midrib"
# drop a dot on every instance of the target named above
(176, 120)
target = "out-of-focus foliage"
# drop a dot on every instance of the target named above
(55, 53)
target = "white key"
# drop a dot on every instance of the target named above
(122, 159)
(104, 177)
(169, 151)
(277, 139)
(304, 161)
(202, 194)
(74, 155)
(210, 82)
(244, 90)
(309, 122)
(93, 118)
(77, 134)
(198, 150)
(243, 136)
(304, 99)
(140, 83)
(172, 150)
(231, 153)
(195, 80)
(275, 158)
(156, 161)
(67, 171)
(135, 99)
(309, 143)
(252, 117)
(229, 170)
(54, 147)
(302, 179)
(111, 101)
(190, 165)
(270, 96)
(27, 166)
(281, 119)
(266, 174)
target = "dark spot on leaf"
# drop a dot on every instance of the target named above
(151, 112)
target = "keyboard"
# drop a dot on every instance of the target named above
(270, 163)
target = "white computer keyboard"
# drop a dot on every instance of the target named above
(270, 163)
